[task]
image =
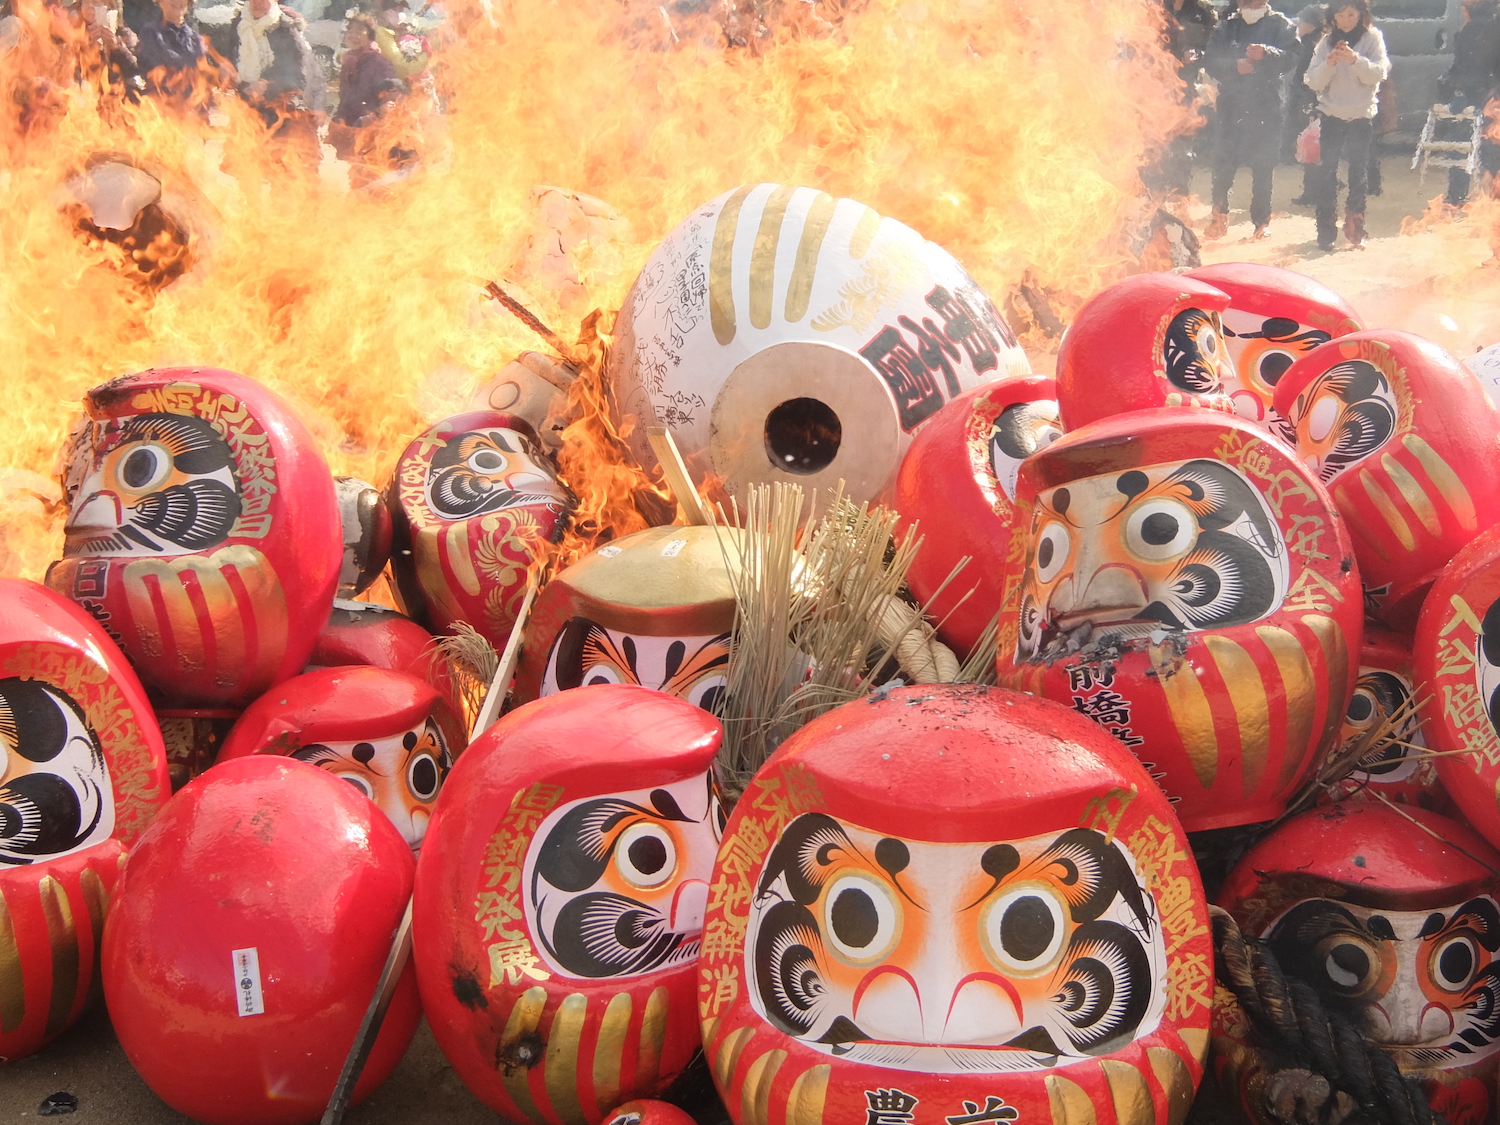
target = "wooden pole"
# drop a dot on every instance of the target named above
(676, 471)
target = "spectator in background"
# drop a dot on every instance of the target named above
(139, 14)
(1188, 26)
(1387, 118)
(279, 75)
(1302, 103)
(1472, 81)
(362, 72)
(170, 50)
(407, 50)
(1347, 67)
(1248, 55)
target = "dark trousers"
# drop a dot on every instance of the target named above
(1253, 144)
(1489, 156)
(1349, 140)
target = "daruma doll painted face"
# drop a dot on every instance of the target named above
(954, 903)
(1186, 584)
(1275, 317)
(1392, 917)
(202, 533)
(559, 902)
(1408, 444)
(475, 504)
(1151, 340)
(82, 773)
(957, 481)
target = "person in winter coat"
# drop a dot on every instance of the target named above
(1302, 103)
(170, 51)
(275, 62)
(1189, 23)
(1248, 54)
(1347, 68)
(1472, 81)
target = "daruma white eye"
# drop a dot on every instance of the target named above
(359, 783)
(1321, 418)
(1160, 530)
(1024, 928)
(422, 777)
(707, 693)
(486, 461)
(1454, 962)
(145, 466)
(860, 917)
(1350, 963)
(1052, 548)
(645, 855)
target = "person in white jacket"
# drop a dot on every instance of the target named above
(1347, 67)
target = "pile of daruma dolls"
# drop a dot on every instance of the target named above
(1237, 535)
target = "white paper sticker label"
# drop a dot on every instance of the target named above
(673, 548)
(610, 552)
(247, 982)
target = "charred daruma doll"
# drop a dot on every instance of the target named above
(250, 928)
(559, 902)
(1457, 658)
(391, 736)
(958, 480)
(202, 533)
(654, 608)
(1151, 340)
(1274, 318)
(956, 904)
(82, 772)
(1408, 444)
(785, 335)
(1395, 923)
(1188, 585)
(475, 504)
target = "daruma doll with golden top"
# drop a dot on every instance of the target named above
(82, 772)
(1186, 584)
(954, 904)
(559, 902)
(655, 608)
(475, 503)
(202, 532)
(1408, 444)
(1151, 340)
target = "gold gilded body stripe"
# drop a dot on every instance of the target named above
(1301, 697)
(12, 980)
(755, 1094)
(1129, 1092)
(1336, 660)
(721, 267)
(1388, 512)
(1413, 493)
(1343, 499)
(1449, 487)
(763, 256)
(653, 1034)
(804, 1105)
(814, 230)
(1173, 1076)
(560, 1067)
(728, 1056)
(456, 539)
(63, 937)
(1247, 694)
(864, 233)
(1194, 719)
(1196, 1039)
(1069, 1102)
(96, 899)
(610, 1052)
(523, 1020)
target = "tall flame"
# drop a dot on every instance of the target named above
(1009, 131)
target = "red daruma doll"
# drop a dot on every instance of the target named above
(202, 532)
(1408, 443)
(559, 901)
(1186, 584)
(956, 904)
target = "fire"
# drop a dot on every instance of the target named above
(1009, 131)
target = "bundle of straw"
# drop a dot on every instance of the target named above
(473, 661)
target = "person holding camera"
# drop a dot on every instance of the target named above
(1347, 68)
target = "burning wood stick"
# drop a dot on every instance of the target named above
(530, 319)
(676, 471)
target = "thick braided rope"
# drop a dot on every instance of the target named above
(1290, 1014)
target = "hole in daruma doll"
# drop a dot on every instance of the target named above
(803, 435)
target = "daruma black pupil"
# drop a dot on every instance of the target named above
(648, 855)
(139, 467)
(424, 777)
(1159, 528)
(1274, 366)
(855, 919)
(1044, 553)
(1456, 962)
(1352, 959)
(1361, 707)
(1027, 928)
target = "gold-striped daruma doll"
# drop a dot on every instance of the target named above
(1182, 580)
(203, 533)
(785, 335)
(559, 902)
(954, 904)
(1408, 444)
